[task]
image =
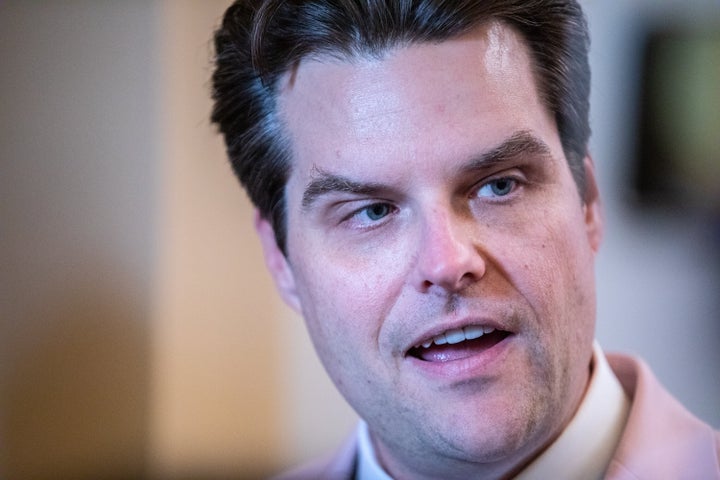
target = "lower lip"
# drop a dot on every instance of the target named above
(484, 363)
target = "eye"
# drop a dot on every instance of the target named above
(368, 215)
(498, 187)
(376, 211)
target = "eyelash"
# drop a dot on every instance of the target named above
(512, 180)
(390, 209)
(370, 223)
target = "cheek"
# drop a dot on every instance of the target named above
(551, 264)
(361, 277)
(348, 295)
(567, 302)
(344, 311)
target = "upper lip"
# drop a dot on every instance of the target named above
(431, 333)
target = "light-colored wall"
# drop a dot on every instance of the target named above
(78, 143)
(139, 332)
(216, 404)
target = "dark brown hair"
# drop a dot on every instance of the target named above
(260, 40)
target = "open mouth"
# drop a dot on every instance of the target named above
(458, 344)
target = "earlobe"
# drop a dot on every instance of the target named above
(592, 206)
(276, 263)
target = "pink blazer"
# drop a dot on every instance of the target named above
(662, 440)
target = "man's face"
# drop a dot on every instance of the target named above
(429, 202)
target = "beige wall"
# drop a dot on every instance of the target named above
(77, 173)
(214, 346)
(140, 335)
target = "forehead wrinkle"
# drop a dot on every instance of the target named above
(324, 182)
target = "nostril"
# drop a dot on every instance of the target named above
(453, 277)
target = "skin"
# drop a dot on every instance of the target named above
(407, 217)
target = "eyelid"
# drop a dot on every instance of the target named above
(513, 174)
(366, 204)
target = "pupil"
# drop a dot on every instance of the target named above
(376, 212)
(501, 187)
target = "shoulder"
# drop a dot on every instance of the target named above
(337, 465)
(661, 436)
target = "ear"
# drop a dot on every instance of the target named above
(276, 263)
(592, 206)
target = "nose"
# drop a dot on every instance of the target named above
(447, 259)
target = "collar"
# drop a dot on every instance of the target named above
(583, 450)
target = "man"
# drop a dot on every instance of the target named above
(426, 200)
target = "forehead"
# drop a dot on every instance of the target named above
(410, 95)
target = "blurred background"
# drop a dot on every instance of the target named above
(140, 336)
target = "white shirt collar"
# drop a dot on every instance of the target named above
(583, 450)
(368, 467)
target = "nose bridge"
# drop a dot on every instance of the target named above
(447, 256)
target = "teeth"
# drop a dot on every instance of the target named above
(455, 336)
(473, 332)
(458, 335)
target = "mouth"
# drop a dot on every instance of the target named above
(458, 344)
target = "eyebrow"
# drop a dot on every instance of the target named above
(520, 144)
(325, 182)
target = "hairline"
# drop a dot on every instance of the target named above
(554, 79)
